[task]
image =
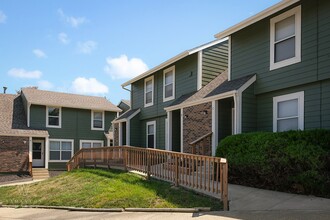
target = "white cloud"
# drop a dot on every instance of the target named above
(63, 38)
(73, 21)
(22, 73)
(45, 85)
(83, 85)
(39, 53)
(3, 17)
(86, 47)
(123, 68)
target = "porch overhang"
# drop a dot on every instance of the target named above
(225, 90)
(127, 116)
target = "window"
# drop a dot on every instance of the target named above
(53, 117)
(288, 111)
(97, 120)
(169, 84)
(151, 134)
(90, 143)
(60, 150)
(149, 91)
(285, 39)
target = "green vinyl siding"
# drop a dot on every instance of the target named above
(185, 82)
(324, 39)
(57, 166)
(135, 131)
(249, 110)
(214, 61)
(160, 133)
(250, 51)
(316, 106)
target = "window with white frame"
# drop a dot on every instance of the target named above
(288, 112)
(149, 91)
(60, 150)
(285, 38)
(151, 134)
(97, 120)
(91, 143)
(53, 117)
(169, 84)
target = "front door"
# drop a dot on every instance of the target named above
(38, 153)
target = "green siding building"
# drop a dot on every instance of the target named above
(71, 121)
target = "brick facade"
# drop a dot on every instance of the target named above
(14, 154)
(197, 121)
(116, 134)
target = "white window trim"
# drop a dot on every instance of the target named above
(297, 95)
(155, 129)
(61, 140)
(170, 69)
(145, 90)
(92, 121)
(297, 58)
(92, 142)
(59, 119)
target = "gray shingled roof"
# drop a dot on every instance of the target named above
(48, 98)
(217, 86)
(126, 114)
(13, 119)
(203, 92)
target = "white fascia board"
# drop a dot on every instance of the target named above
(157, 68)
(209, 99)
(25, 135)
(128, 118)
(247, 84)
(172, 60)
(251, 20)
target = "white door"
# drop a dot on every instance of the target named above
(38, 153)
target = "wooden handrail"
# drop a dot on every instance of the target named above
(200, 172)
(201, 138)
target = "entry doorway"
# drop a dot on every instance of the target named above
(38, 153)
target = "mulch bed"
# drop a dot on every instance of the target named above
(13, 177)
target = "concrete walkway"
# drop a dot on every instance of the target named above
(242, 198)
(20, 182)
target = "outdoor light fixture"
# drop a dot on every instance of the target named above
(204, 112)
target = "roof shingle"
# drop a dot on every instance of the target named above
(59, 99)
(13, 120)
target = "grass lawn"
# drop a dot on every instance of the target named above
(96, 188)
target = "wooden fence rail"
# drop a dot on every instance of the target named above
(203, 173)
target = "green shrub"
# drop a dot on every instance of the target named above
(293, 161)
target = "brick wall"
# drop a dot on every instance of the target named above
(116, 134)
(14, 154)
(197, 123)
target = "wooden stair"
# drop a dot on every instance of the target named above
(40, 173)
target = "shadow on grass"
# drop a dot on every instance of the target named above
(178, 196)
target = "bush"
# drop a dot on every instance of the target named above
(293, 161)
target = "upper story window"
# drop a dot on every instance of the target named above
(149, 91)
(169, 84)
(288, 112)
(285, 39)
(53, 117)
(97, 120)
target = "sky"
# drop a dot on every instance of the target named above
(91, 47)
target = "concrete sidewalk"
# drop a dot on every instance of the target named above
(242, 198)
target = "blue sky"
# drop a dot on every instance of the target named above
(93, 46)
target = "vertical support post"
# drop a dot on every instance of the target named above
(176, 170)
(224, 192)
(125, 154)
(149, 164)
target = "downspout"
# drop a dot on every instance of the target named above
(28, 114)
